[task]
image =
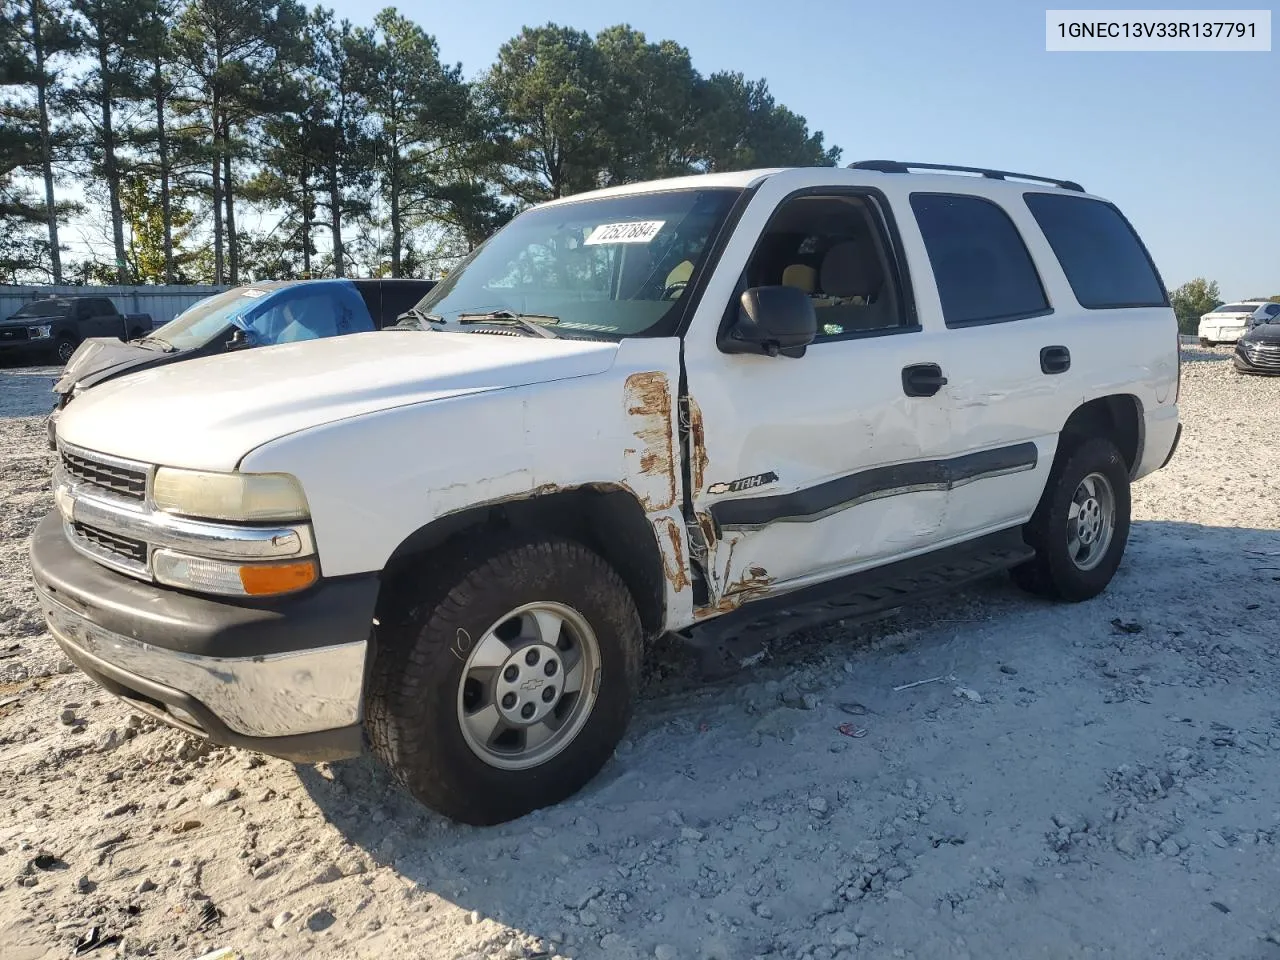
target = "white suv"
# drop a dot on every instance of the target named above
(665, 408)
(1231, 321)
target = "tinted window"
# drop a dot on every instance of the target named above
(982, 267)
(1273, 310)
(1100, 253)
(43, 308)
(1236, 308)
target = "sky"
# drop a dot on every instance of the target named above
(1186, 144)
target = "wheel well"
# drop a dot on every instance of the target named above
(608, 520)
(1117, 417)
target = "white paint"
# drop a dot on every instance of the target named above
(390, 431)
(208, 413)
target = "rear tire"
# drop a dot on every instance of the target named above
(1081, 525)
(1205, 342)
(496, 630)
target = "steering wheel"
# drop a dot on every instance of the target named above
(672, 291)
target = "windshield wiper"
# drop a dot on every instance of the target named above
(533, 322)
(423, 320)
(165, 345)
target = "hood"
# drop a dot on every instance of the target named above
(208, 412)
(1264, 333)
(100, 358)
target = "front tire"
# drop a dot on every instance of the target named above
(63, 349)
(508, 681)
(1081, 525)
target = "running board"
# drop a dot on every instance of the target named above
(736, 640)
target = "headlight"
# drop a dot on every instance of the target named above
(229, 496)
(230, 578)
(39, 333)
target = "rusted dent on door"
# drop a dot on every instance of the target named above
(652, 466)
(697, 447)
(708, 528)
(753, 583)
(674, 567)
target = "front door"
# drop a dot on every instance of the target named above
(822, 464)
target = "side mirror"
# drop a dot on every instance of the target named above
(240, 339)
(772, 321)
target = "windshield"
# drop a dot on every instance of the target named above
(202, 321)
(613, 267)
(1236, 308)
(43, 308)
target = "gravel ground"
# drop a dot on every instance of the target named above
(1089, 781)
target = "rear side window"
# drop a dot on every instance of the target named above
(1100, 253)
(983, 270)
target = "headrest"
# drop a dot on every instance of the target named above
(801, 276)
(851, 269)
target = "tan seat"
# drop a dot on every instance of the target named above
(802, 276)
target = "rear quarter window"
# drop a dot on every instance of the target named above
(1100, 253)
(981, 265)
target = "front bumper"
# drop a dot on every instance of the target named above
(25, 349)
(284, 679)
(1265, 363)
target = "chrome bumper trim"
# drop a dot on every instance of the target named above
(275, 695)
(82, 503)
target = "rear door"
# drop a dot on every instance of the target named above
(1007, 358)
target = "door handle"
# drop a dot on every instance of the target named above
(922, 379)
(1055, 360)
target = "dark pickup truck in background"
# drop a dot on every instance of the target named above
(52, 328)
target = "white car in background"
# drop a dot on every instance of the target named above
(1231, 321)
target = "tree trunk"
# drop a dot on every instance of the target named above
(110, 169)
(335, 212)
(162, 146)
(393, 184)
(46, 142)
(308, 214)
(218, 273)
(233, 247)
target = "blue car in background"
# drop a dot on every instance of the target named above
(256, 315)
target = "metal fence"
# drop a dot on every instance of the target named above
(162, 302)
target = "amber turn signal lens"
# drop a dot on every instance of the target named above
(268, 579)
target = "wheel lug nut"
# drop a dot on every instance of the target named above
(548, 694)
(549, 668)
(527, 710)
(509, 701)
(531, 657)
(511, 674)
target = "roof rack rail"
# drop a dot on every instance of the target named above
(898, 166)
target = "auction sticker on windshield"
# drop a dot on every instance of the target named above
(637, 231)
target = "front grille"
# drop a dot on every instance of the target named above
(121, 480)
(1265, 355)
(123, 548)
(12, 334)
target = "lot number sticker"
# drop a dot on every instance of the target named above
(637, 231)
